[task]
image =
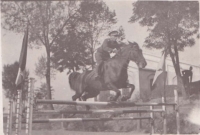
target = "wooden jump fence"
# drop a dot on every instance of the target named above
(30, 112)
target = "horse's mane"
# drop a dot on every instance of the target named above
(122, 48)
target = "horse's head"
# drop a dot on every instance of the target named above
(133, 52)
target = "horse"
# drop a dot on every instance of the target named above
(114, 75)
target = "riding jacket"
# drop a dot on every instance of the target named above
(103, 52)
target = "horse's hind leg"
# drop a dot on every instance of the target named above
(87, 95)
(117, 91)
(76, 96)
(125, 98)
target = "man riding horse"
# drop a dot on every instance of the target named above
(109, 45)
(114, 73)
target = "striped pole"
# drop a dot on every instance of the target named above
(164, 117)
(96, 111)
(9, 118)
(18, 113)
(152, 120)
(87, 119)
(176, 100)
(29, 107)
(100, 103)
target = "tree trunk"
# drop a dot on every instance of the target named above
(177, 71)
(48, 77)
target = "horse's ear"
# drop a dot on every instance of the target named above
(130, 42)
(135, 44)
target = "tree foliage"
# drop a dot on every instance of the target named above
(40, 68)
(46, 20)
(76, 46)
(172, 26)
(9, 76)
(170, 23)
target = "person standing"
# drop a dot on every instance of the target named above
(187, 78)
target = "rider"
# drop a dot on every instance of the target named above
(103, 52)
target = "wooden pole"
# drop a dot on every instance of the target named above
(62, 123)
(48, 101)
(87, 119)
(176, 100)
(40, 112)
(164, 117)
(139, 121)
(152, 120)
(9, 118)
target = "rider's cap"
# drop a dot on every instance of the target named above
(113, 33)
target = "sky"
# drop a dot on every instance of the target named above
(11, 47)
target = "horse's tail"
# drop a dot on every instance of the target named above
(72, 80)
(76, 81)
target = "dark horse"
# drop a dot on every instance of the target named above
(114, 75)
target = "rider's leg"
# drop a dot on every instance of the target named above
(99, 61)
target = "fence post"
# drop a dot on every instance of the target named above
(176, 100)
(164, 117)
(62, 123)
(9, 118)
(152, 120)
(139, 124)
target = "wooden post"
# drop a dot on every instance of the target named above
(176, 100)
(164, 117)
(152, 120)
(9, 118)
(139, 124)
(62, 123)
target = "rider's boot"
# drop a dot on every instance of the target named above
(97, 76)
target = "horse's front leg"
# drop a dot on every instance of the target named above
(126, 97)
(116, 90)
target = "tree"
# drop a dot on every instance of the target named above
(41, 67)
(92, 20)
(46, 20)
(9, 76)
(172, 26)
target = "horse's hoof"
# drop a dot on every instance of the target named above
(124, 98)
